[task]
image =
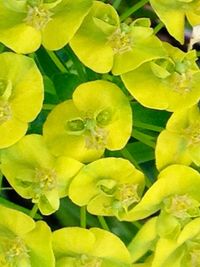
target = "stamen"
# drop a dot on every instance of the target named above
(5, 112)
(195, 257)
(15, 249)
(45, 181)
(182, 206)
(38, 16)
(127, 194)
(192, 133)
(121, 40)
(90, 261)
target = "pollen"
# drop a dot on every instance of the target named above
(15, 249)
(121, 40)
(192, 133)
(89, 261)
(45, 181)
(38, 16)
(5, 112)
(127, 194)
(182, 206)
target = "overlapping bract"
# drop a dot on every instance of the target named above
(74, 246)
(26, 24)
(173, 12)
(102, 44)
(20, 83)
(171, 83)
(98, 116)
(182, 136)
(36, 174)
(24, 242)
(109, 186)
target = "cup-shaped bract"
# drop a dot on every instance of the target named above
(176, 195)
(99, 116)
(111, 46)
(36, 174)
(184, 252)
(182, 136)
(166, 84)
(74, 246)
(26, 24)
(173, 12)
(108, 186)
(24, 242)
(20, 84)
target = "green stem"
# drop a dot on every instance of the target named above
(116, 3)
(103, 223)
(6, 188)
(144, 138)
(48, 106)
(158, 27)
(147, 126)
(137, 224)
(126, 154)
(78, 65)
(33, 211)
(57, 61)
(131, 10)
(83, 217)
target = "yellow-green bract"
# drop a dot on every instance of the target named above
(182, 252)
(182, 136)
(99, 116)
(20, 84)
(176, 194)
(36, 174)
(109, 187)
(25, 24)
(24, 242)
(173, 12)
(171, 83)
(74, 246)
(102, 44)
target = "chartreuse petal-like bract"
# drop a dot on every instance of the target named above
(173, 12)
(184, 252)
(24, 242)
(26, 24)
(99, 116)
(74, 246)
(36, 174)
(103, 44)
(20, 84)
(176, 195)
(182, 136)
(170, 83)
(108, 186)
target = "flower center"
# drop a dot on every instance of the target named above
(192, 133)
(89, 261)
(182, 206)
(5, 112)
(15, 249)
(124, 197)
(121, 40)
(46, 181)
(195, 257)
(38, 16)
(93, 128)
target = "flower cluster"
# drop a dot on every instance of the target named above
(102, 115)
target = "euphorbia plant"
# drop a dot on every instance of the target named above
(27, 24)
(83, 127)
